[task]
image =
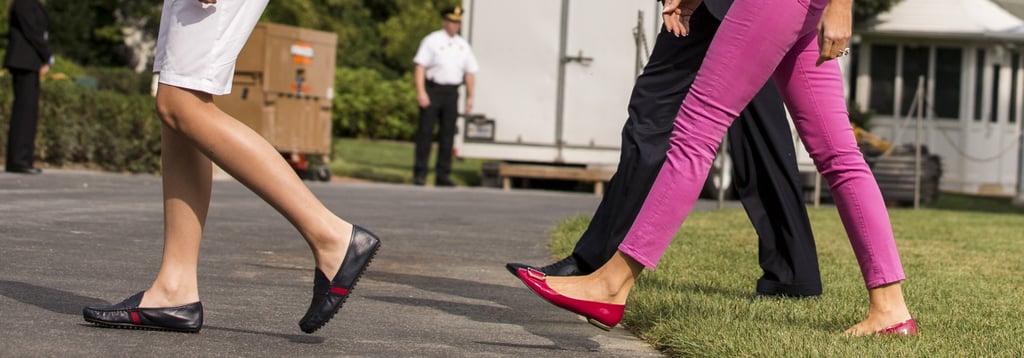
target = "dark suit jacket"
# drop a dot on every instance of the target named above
(718, 7)
(26, 42)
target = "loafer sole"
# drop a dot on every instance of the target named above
(140, 327)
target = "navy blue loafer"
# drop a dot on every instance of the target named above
(328, 296)
(127, 314)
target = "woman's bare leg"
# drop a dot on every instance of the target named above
(186, 187)
(201, 130)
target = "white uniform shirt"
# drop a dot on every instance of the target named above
(446, 58)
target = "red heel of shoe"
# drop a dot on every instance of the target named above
(602, 315)
(905, 328)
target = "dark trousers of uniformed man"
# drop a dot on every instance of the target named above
(21, 138)
(444, 102)
(767, 179)
(26, 56)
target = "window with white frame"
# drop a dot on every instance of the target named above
(883, 79)
(979, 82)
(896, 69)
(948, 68)
(1014, 79)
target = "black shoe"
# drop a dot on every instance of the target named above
(444, 183)
(774, 295)
(771, 288)
(564, 267)
(419, 181)
(24, 170)
(127, 314)
(328, 296)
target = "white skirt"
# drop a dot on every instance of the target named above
(199, 43)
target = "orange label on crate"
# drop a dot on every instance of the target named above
(300, 88)
(302, 52)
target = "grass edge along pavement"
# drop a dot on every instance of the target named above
(391, 161)
(963, 287)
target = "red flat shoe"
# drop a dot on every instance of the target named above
(602, 315)
(905, 328)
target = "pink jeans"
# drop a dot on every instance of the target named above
(758, 39)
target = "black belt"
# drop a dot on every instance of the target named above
(432, 84)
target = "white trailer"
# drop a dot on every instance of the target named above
(555, 78)
(554, 83)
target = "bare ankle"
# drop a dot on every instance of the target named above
(330, 246)
(329, 237)
(160, 295)
(887, 300)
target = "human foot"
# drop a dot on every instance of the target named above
(158, 295)
(868, 327)
(590, 288)
(329, 251)
(330, 293)
(600, 314)
(887, 313)
(128, 314)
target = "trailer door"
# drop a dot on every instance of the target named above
(516, 44)
(600, 68)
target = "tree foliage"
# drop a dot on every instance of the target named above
(865, 9)
(378, 34)
(377, 40)
(91, 32)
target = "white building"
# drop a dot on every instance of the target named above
(969, 54)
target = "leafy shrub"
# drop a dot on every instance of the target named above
(77, 125)
(115, 127)
(368, 106)
(121, 79)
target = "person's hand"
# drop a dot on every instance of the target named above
(469, 105)
(834, 30)
(423, 99)
(43, 70)
(676, 15)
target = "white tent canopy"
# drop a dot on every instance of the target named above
(946, 19)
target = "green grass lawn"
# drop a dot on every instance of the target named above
(964, 287)
(391, 161)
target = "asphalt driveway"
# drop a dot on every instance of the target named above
(438, 287)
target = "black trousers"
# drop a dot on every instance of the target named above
(444, 102)
(767, 179)
(21, 136)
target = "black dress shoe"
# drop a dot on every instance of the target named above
(328, 296)
(564, 267)
(768, 287)
(127, 314)
(444, 183)
(25, 170)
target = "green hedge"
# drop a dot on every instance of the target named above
(368, 106)
(121, 79)
(110, 123)
(97, 128)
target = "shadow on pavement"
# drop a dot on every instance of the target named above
(64, 302)
(514, 309)
(294, 338)
(49, 299)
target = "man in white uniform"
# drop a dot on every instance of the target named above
(444, 62)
